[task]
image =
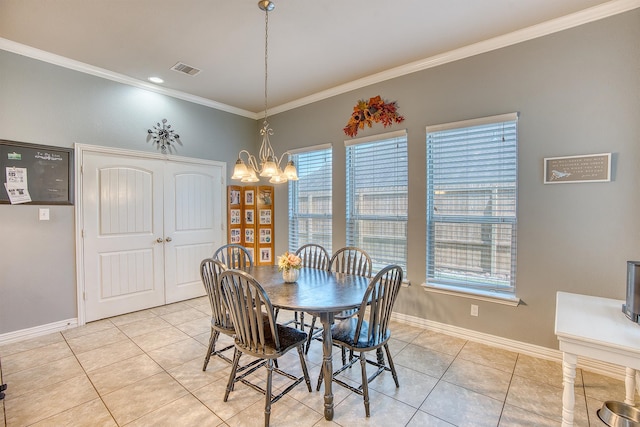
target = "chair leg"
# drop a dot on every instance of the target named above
(365, 382)
(320, 378)
(212, 347)
(302, 321)
(267, 395)
(344, 356)
(310, 336)
(391, 365)
(232, 375)
(303, 364)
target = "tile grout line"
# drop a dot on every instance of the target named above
(88, 378)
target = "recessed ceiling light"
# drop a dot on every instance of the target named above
(156, 80)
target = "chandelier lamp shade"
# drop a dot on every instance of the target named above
(267, 163)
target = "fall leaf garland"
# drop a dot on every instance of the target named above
(374, 111)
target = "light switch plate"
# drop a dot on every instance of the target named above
(44, 214)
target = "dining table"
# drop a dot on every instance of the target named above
(317, 292)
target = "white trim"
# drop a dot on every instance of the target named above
(80, 149)
(37, 331)
(311, 148)
(533, 350)
(473, 122)
(477, 294)
(51, 58)
(586, 16)
(378, 137)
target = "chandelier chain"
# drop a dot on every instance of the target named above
(267, 163)
(266, 56)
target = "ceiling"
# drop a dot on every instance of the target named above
(315, 48)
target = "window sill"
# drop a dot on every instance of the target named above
(473, 294)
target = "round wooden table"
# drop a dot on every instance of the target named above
(319, 292)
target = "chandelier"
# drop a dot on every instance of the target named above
(267, 164)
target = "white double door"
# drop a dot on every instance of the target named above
(147, 225)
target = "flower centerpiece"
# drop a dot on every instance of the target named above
(290, 265)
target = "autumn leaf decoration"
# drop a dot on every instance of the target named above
(374, 111)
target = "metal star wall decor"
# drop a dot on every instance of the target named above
(163, 135)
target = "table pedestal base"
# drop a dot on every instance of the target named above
(327, 364)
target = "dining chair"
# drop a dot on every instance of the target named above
(369, 331)
(233, 256)
(350, 260)
(258, 334)
(210, 270)
(315, 256)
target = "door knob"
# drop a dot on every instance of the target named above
(159, 240)
(168, 239)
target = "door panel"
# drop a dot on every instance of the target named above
(122, 218)
(193, 213)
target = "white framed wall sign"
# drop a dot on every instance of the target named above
(574, 169)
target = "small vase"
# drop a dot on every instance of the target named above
(290, 275)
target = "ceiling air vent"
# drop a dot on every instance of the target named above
(186, 69)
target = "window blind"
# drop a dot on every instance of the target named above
(377, 200)
(310, 203)
(471, 203)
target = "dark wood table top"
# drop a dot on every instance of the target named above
(315, 290)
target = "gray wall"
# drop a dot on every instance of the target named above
(578, 92)
(45, 104)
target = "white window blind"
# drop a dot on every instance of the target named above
(471, 203)
(377, 197)
(310, 199)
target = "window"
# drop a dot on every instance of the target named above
(310, 199)
(377, 199)
(471, 204)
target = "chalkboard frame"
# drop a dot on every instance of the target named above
(66, 154)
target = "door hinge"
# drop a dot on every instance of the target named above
(84, 295)
(83, 233)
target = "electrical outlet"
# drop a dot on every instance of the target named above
(474, 310)
(43, 214)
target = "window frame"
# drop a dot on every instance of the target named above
(353, 218)
(293, 198)
(461, 282)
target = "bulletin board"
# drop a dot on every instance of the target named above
(49, 171)
(250, 220)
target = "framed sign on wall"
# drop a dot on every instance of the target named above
(573, 169)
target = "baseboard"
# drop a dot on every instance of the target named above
(37, 331)
(533, 350)
(591, 365)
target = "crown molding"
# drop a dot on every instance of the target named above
(586, 16)
(71, 64)
(592, 14)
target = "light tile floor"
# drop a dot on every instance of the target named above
(145, 369)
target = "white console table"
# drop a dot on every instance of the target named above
(596, 328)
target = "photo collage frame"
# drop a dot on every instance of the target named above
(250, 220)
